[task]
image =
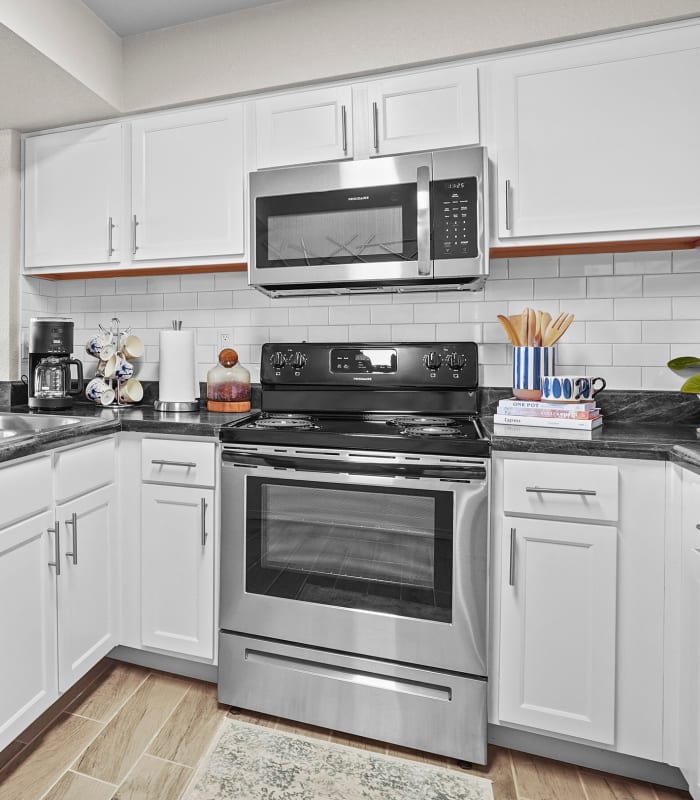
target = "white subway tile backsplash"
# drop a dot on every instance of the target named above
(617, 286)
(634, 312)
(642, 263)
(676, 285)
(390, 315)
(542, 267)
(686, 260)
(590, 264)
(642, 308)
(429, 312)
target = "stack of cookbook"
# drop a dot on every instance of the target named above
(584, 416)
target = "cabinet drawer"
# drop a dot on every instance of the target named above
(557, 489)
(83, 469)
(172, 461)
(25, 489)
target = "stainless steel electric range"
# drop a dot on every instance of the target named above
(354, 545)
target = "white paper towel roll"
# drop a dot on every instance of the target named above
(177, 371)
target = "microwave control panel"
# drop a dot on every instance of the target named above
(455, 223)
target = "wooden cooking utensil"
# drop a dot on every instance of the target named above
(511, 333)
(516, 322)
(531, 327)
(557, 328)
(524, 324)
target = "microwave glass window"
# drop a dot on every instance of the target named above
(336, 234)
(349, 226)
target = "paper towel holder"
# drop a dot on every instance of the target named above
(176, 405)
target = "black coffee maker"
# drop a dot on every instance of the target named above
(51, 385)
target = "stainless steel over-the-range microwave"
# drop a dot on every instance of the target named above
(400, 223)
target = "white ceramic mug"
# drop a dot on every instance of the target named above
(131, 347)
(107, 397)
(570, 388)
(118, 368)
(131, 391)
(95, 389)
(95, 344)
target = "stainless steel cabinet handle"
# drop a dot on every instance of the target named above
(110, 248)
(73, 522)
(344, 124)
(56, 547)
(165, 463)
(204, 521)
(511, 571)
(134, 224)
(543, 490)
(509, 221)
(375, 125)
(423, 220)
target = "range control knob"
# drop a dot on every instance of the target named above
(298, 360)
(456, 361)
(432, 360)
(278, 360)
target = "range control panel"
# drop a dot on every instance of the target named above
(455, 222)
(419, 365)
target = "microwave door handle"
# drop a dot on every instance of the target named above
(423, 220)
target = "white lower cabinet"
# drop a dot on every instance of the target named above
(689, 689)
(177, 569)
(558, 628)
(578, 598)
(28, 679)
(86, 613)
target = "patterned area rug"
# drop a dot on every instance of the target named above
(250, 762)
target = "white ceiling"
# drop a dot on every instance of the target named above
(127, 17)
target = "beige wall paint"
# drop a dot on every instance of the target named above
(76, 40)
(296, 41)
(9, 254)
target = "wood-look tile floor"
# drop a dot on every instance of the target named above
(128, 733)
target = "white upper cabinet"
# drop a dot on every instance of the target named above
(187, 184)
(73, 197)
(304, 127)
(599, 136)
(424, 111)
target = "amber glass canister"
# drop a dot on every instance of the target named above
(228, 384)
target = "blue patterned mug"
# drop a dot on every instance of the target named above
(530, 365)
(570, 388)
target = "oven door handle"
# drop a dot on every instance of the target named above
(344, 465)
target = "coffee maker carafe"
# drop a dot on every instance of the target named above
(51, 385)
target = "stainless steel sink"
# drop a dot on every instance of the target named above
(20, 425)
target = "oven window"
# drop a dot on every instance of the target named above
(349, 226)
(362, 547)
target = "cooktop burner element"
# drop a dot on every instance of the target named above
(404, 398)
(422, 421)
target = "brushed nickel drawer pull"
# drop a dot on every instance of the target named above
(511, 576)
(509, 222)
(203, 507)
(344, 123)
(544, 490)
(162, 462)
(375, 126)
(56, 547)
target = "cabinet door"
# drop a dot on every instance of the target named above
(557, 638)
(690, 628)
(426, 111)
(304, 127)
(187, 184)
(27, 624)
(72, 197)
(177, 569)
(600, 137)
(86, 585)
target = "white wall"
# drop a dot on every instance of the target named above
(296, 41)
(633, 313)
(9, 253)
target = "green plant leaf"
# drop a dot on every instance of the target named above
(692, 385)
(683, 362)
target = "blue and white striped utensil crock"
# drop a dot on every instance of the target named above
(530, 364)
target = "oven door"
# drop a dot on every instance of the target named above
(366, 222)
(370, 554)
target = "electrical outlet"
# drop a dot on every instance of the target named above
(224, 340)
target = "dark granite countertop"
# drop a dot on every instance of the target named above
(97, 421)
(647, 440)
